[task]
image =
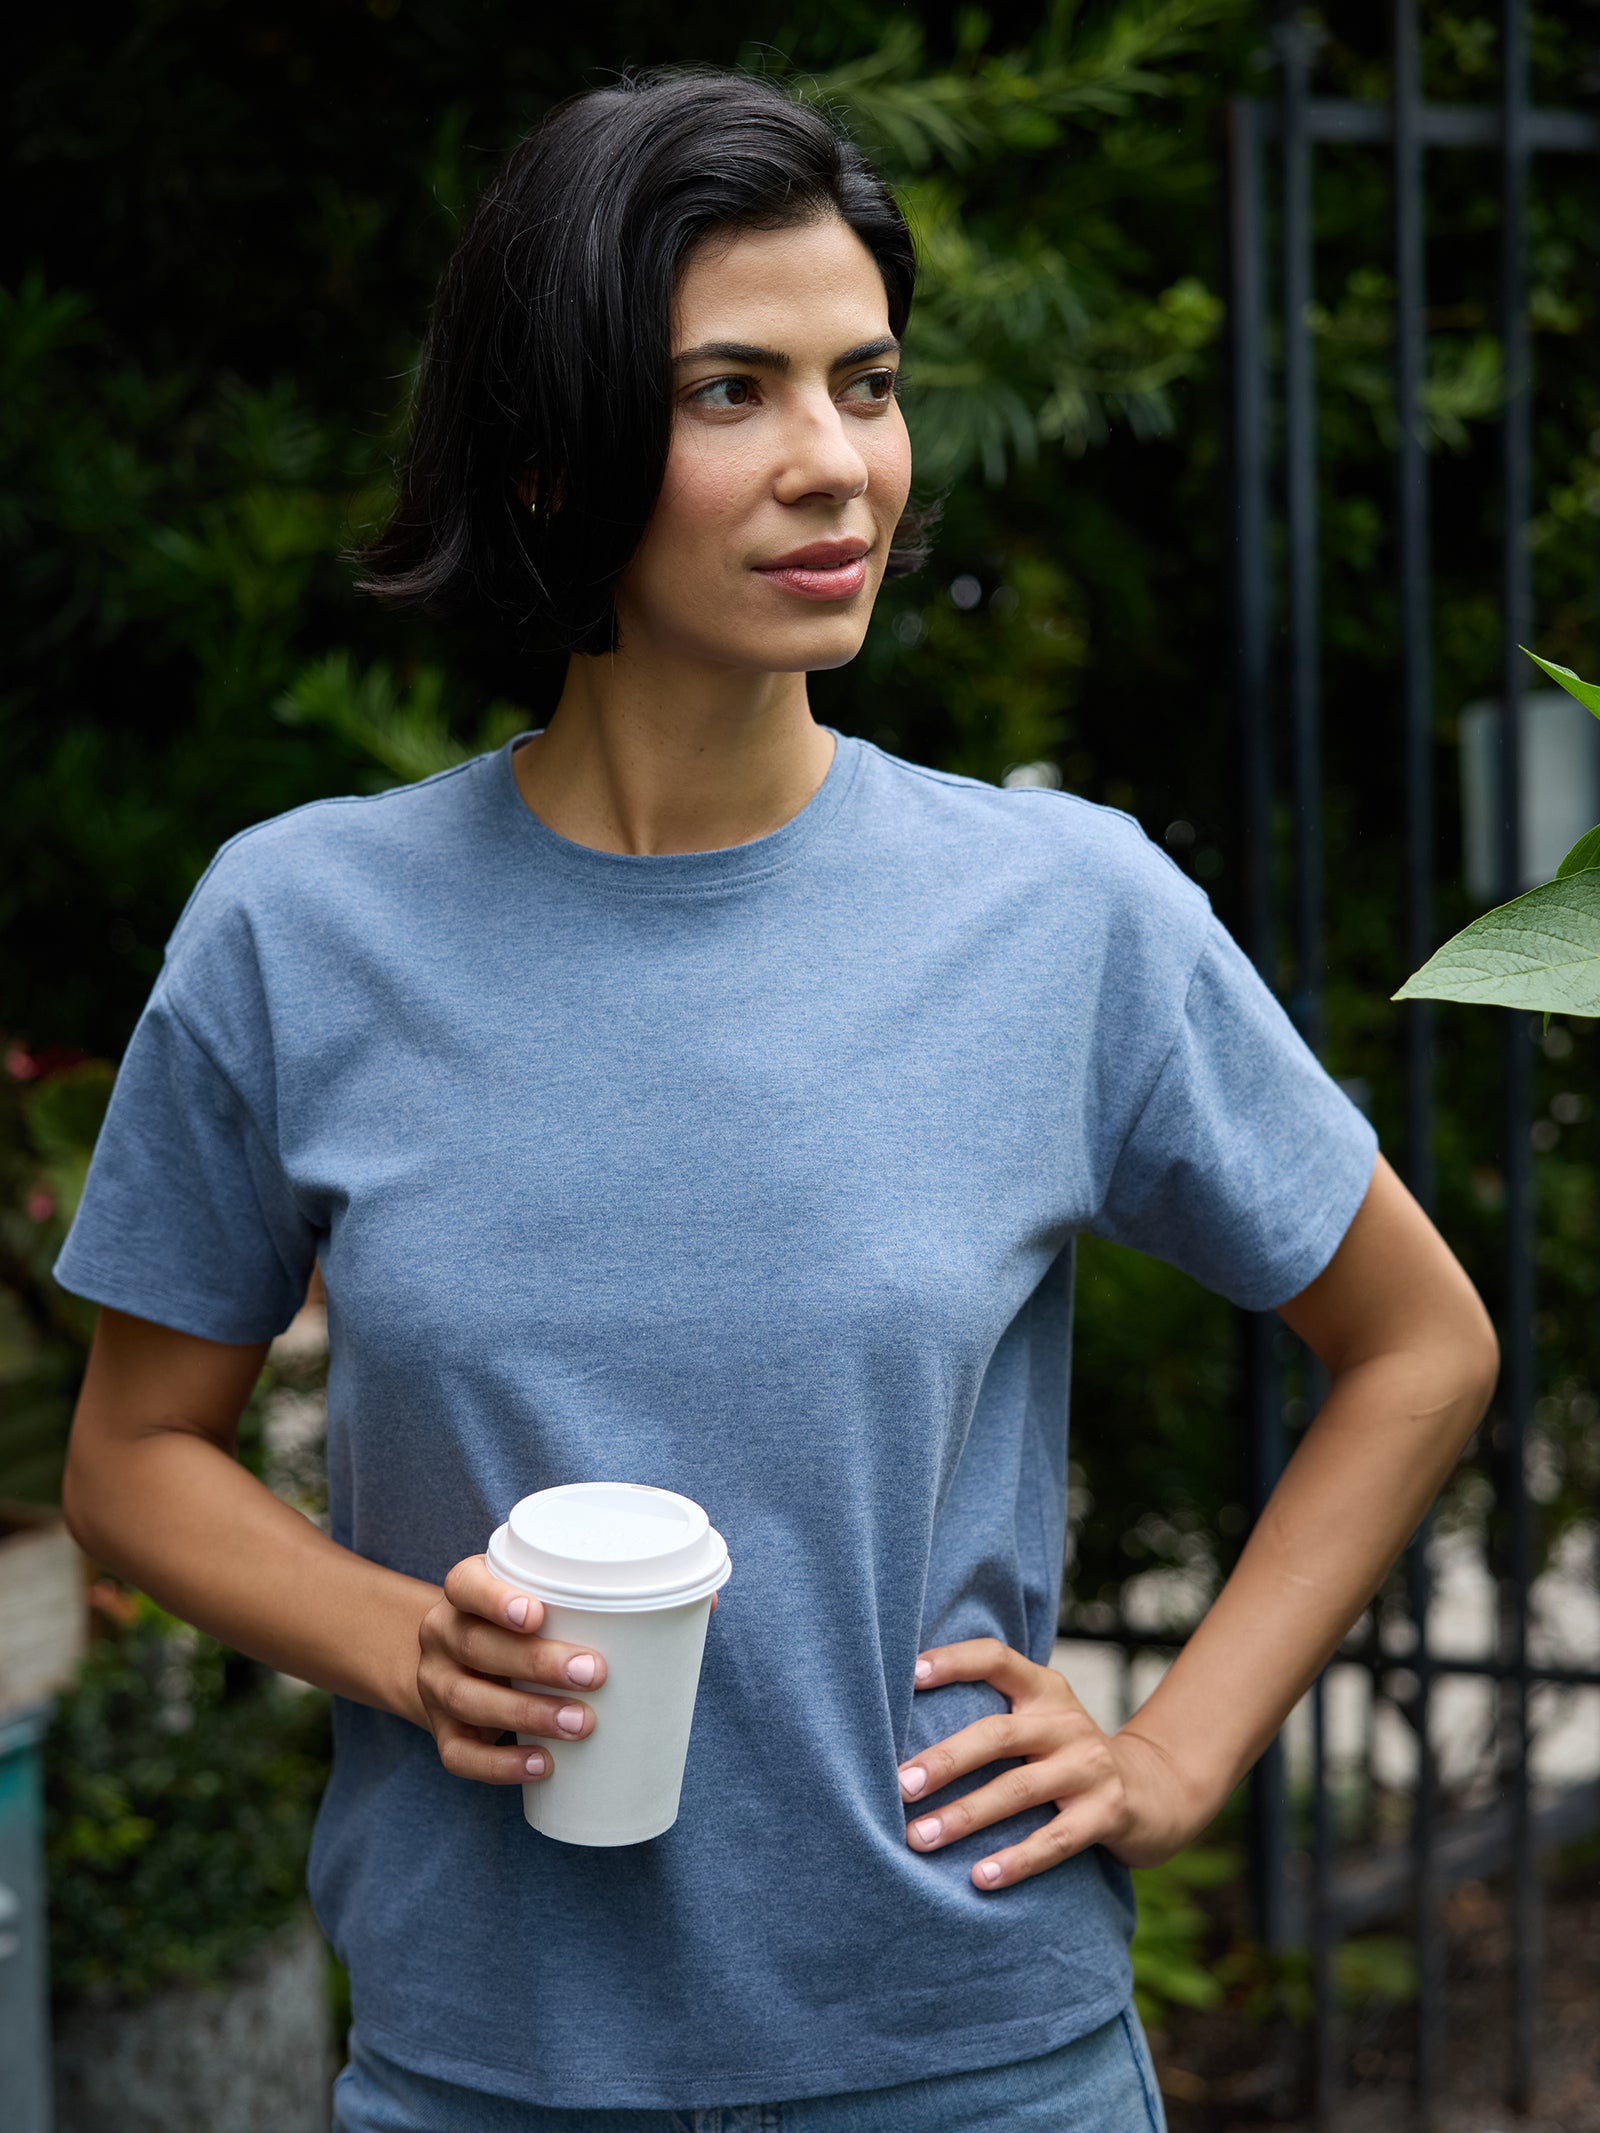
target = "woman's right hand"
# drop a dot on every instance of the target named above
(475, 1645)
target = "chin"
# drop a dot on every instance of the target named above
(823, 663)
(828, 642)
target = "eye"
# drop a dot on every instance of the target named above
(874, 388)
(725, 393)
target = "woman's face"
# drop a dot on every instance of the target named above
(789, 464)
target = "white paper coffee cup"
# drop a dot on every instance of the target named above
(627, 1571)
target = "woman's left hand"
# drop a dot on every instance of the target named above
(1116, 1789)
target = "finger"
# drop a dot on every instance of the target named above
(1086, 1822)
(986, 1740)
(500, 1707)
(978, 1659)
(1037, 1784)
(473, 1587)
(488, 1649)
(465, 1753)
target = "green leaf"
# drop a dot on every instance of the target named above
(1585, 691)
(1380, 1966)
(1541, 951)
(1584, 854)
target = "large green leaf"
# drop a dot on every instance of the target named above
(1541, 951)
(1584, 854)
(1585, 691)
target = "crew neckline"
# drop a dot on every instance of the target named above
(684, 873)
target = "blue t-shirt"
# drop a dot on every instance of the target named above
(754, 1174)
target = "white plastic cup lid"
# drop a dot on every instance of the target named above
(611, 1545)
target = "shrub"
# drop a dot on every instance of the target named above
(180, 1787)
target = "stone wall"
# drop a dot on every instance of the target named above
(252, 2056)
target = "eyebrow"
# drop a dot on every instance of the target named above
(775, 359)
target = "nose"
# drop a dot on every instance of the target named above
(820, 458)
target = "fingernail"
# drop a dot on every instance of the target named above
(927, 1829)
(990, 1871)
(913, 1780)
(581, 1670)
(923, 1669)
(535, 1765)
(570, 1718)
(517, 1613)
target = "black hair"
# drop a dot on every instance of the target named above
(548, 350)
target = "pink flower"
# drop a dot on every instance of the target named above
(19, 1064)
(41, 1204)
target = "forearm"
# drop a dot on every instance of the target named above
(1348, 1501)
(176, 1515)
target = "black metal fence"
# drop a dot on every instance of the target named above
(1272, 148)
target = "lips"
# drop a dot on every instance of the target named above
(822, 570)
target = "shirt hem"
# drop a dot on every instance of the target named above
(875, 2067)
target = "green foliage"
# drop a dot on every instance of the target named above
(1355, 357)
(1028, 330)
(178, 1808)
(50, 1112)
(1170, 1963)
(168, 537)
(1585, 692)
(404, 729)
(1371, 1968)
(1177, 1961)
(1541, 950)
(1584, 854)
(1077, 69)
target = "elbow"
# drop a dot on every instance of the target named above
(78, 1501)
(73, 1509)
(1478, 1359)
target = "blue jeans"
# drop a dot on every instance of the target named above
(1102, 2083)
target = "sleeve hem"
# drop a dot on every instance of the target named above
(1313, 1257)
(204, 1317)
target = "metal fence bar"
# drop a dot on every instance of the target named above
(1417, 726)
(1487, 1668)
(1325, 2083)
(1547, 130)
(1252, 570)
(1518, 1379)
(1268, 1819)
(1416, 641)
(1300, 502)
(1296, 47)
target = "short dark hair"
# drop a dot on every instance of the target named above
(548, 350)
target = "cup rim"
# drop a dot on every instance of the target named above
(650, 1599)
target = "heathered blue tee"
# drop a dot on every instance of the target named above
(755, 1174)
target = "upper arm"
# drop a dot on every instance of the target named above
(143, 1378)
(1393, 1283)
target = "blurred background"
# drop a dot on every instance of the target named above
(1253, 360)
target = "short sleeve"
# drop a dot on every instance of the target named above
(187, 1217)
(1246, 1163)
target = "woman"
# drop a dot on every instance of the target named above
(690, 1093)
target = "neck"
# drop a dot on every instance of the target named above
(672, 759)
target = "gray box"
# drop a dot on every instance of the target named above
(1559, 766)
